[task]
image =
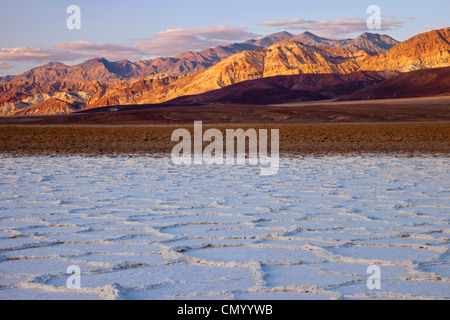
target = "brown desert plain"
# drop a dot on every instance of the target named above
(406, 126)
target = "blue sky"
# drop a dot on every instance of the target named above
(34, 32)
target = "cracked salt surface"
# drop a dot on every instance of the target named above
(139, 228)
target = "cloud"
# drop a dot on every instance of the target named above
(173, 41)
(334, 28)
(93, 49)
(431, 28)
(35, 54)
(68, 52)
(283, 23)
(165, 43)
(5, 66)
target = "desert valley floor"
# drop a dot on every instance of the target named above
(405, 126)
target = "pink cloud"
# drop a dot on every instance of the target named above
(283, 23)
(35, 54)
(5, 66)
(173, 41)
(431, 28)
(169, 42)
(95, 49)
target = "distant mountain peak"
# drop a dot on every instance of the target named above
(368, 42)
(55, 65)
(282, 33)
(369, 35)
(312, 35)
(310, 38)
(271, 39)
(95, 61)
(101, 60)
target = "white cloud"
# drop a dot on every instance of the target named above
(5, 66)
(431, 28)
(283, 23)
(68, 52)
(169, 42)
(35, 54)
(96, 49)
(173, 41)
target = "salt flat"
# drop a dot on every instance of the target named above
(141, 228)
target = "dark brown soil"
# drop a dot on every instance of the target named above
(410, 126)
(392, 138)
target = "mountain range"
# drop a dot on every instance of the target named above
(100, 69)
(369, 60)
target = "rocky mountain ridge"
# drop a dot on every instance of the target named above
(99, 82)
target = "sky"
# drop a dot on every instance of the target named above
(35, 32)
